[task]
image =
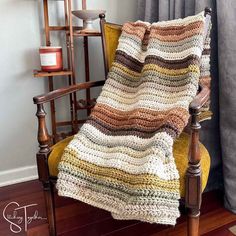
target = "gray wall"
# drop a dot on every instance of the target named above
(21, 33)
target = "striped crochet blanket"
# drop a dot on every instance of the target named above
(121, 160)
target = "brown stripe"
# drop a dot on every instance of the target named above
(175, 38)
(112, 120)
(142, 112)
(177, 30)
(128, 61)
(135, 65)
(138, 119)
(206, 52)
(136, 26)
(135, 29)
(137, 124)
(145, 40)
(170, 64)
(170, 129)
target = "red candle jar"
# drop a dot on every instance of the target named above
(51, 58)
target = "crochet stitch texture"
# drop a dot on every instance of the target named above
(121, 160)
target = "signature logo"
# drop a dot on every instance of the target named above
(19, 215)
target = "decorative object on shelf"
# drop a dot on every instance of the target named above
(88, 16)
(51, 58)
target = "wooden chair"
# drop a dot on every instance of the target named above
(192, 159)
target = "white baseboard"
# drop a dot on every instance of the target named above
(18, 175)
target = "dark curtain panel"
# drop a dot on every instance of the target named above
(219, 134)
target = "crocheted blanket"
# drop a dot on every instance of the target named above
(121, 160)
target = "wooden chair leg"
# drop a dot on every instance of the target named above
(43, 171)
(193, 191)
(193, 222)
(50, 207)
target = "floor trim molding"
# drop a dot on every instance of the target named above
(18, 175)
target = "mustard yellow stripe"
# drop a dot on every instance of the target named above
(118, 176)
(169, 186)
(124, 69)
(171, 72)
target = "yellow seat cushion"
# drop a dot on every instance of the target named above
(181, 146)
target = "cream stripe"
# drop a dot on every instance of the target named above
(180, 21)
(175, 55)
(152, 164)
(131, 141)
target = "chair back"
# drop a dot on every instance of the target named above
(110, 36)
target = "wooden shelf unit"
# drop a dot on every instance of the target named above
(82, 34)
(38, 73)
(63, 28)
(70, 31)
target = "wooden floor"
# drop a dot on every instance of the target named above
(77, 219)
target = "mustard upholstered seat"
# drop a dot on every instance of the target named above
(181, 147)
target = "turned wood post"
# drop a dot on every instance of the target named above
(43, 172)
(193, 177)
(72, 65)
(102, 17)
(67, 24)
(43, 137)
(43, 140)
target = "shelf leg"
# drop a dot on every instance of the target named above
(72, 111)
(46, 22)
(87, 71)
(84, 5)
(72, 64)
(50, 79)
(53, 112)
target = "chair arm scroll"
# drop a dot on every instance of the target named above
(200, 100)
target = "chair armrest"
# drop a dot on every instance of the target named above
(200, 100)
(47, 97)
(43, 136)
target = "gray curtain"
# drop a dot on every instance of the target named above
(219, 134)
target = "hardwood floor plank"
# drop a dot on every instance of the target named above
(208, 223)
(21, 189)
(81, 220)
(222, 231)
(40, 230)
(216, 219)
(101, 227)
